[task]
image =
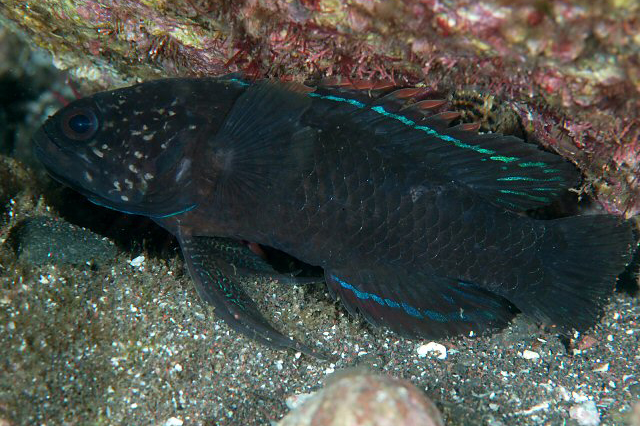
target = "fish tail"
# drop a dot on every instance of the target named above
(581, 258)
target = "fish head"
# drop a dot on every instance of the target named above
(130, 149)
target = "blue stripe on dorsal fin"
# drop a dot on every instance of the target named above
(503, 169)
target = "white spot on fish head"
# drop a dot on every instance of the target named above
(133, 168)
(416, 192)
(183, 168)
(88, 176)
(116, 185)
(97, 152)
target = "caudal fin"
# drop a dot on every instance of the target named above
(582, 257)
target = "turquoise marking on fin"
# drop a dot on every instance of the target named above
(429, 130)
(538, 164)
(456, 142)
(410, 310)
(524, 194)
(400, 118)
(530, 179)
(191, 207)
(504, 159)
(240, 82)
(392, 303)
(338, 99)
(551, 190)
(377, 299)
(138, 213)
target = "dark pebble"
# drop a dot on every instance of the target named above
(42, 240)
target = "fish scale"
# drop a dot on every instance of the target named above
(418, 225)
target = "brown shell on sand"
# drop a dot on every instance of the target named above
(366, 400)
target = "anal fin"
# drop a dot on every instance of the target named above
(419, 305)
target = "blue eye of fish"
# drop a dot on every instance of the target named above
(80, 124)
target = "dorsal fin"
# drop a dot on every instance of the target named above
(503, 169)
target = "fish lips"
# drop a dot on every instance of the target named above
(52, 156)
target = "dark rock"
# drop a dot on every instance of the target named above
(42, 240)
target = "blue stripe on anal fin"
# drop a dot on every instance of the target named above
(420, 306)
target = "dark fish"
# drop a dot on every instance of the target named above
(417, 224)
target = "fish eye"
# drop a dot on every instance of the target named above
(79, 124)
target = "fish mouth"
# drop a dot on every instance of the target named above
(45, 151)
(40, 140)
(53, 158)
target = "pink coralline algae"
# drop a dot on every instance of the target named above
(567, 71)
